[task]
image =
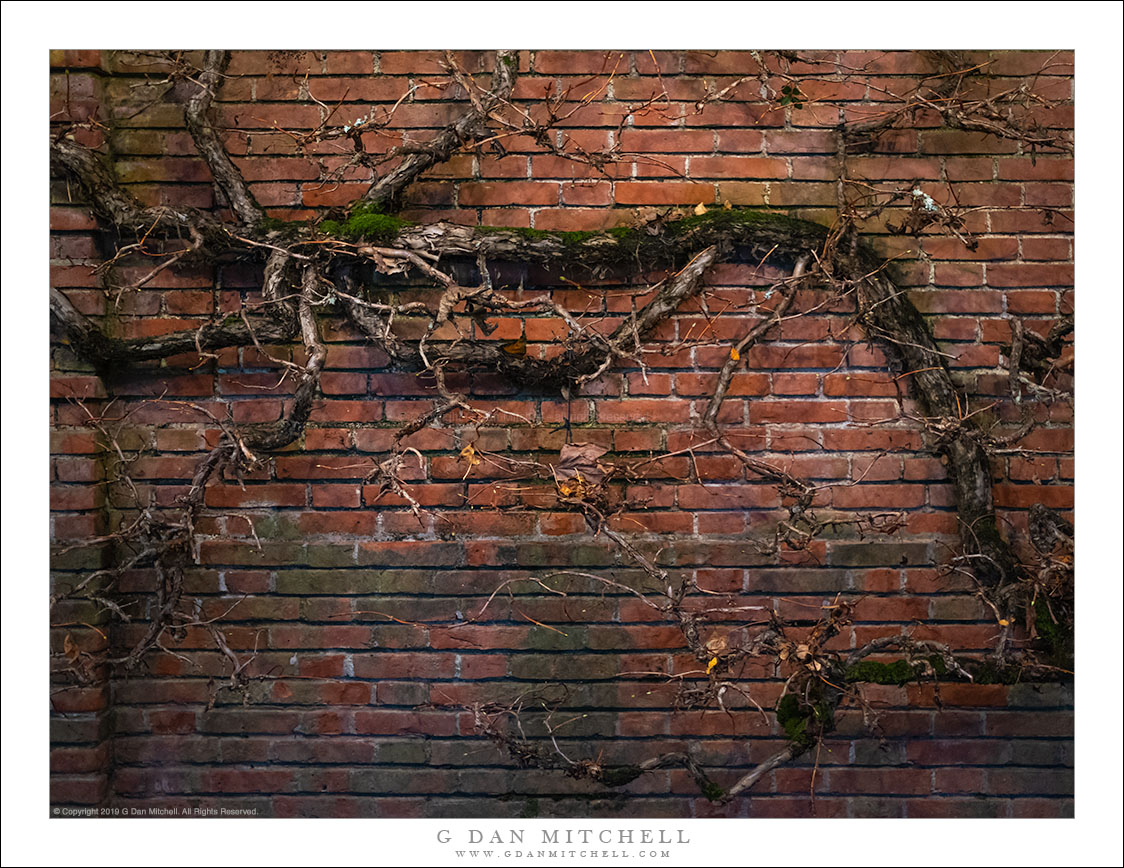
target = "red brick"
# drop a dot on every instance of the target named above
(663, 193)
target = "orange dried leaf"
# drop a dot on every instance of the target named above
(575, 486)
(516, 348)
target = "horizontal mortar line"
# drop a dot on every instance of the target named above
(481, 741)
(739, 594)
(374, 765)
(560, 653)
(607, 794)
(654, 710)
(633, 625)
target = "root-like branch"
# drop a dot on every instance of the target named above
(200, 124)
(386, 193)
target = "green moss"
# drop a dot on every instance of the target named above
(873, 672)
(618, 776)
(987, 672)
(712, 791)
(1044, 623)
(570, 239)
(738, 218)
(794, 720)
(901, 672)
(669, 246)
(271, 224)
(1055, 635)
(803, 724)
(365, 222)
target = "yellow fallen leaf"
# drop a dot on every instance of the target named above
(734, 354)
(700, 208)
(1003, 622)
(713, 662)
(469, 455)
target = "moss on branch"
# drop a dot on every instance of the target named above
(365, 223)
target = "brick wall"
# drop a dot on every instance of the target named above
(356, 609)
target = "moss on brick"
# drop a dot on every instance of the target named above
(712, 791)
(803, 724)
(1056, 635)
(407, 752)
(988, 672)
(530, 808)
(618, 776)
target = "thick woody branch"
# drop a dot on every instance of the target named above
(200, 124)
(748, 780)
(754, 235)
(99, 186)
(93, 345)
(892, 320)
(887, 315)
(385, 193)
(283, 433)
(591, 354)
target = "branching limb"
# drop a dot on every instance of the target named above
(92, 344)
(789, 484)
(99, 186)
(385, 193)
(201, 126)
(889, 316)
(752, 777)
